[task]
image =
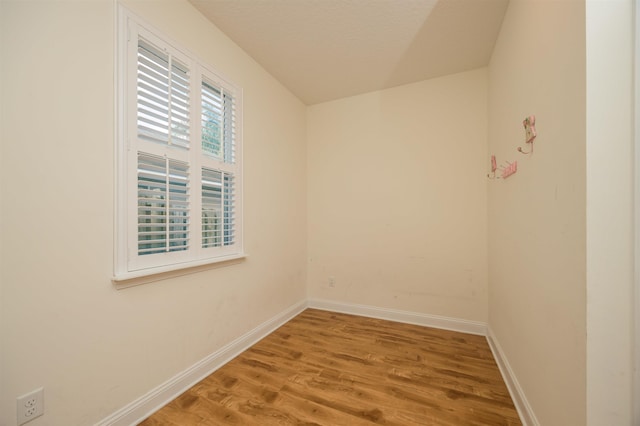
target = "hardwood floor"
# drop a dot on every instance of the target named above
(325, 368)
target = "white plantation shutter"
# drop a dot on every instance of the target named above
(180, 200)
(218, 222)
(163, 205)
(212, 216)
(212, 122)
(163, 97)
(218, 122)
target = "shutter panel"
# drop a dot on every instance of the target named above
(163, 204)
(218, 122)
(163, 97)
(211, 120)
(179, 210)
(212, 218)
(218, 212)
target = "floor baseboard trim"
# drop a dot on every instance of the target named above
(525, 411)
(149, 403)
(446, 323)
(155, 399)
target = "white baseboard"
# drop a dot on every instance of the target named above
(151, 402)
(525, 411)
(446, 323)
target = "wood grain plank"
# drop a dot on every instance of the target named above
(325, 368)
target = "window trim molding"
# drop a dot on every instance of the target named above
(123, 275)
(144, 276)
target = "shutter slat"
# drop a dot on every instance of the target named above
(153, 66)
(153, 93)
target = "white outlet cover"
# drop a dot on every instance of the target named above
(30, 406)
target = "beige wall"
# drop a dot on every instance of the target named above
(63, 324)
(537, 291)
(391, 184)
(610, 229)
(397, 198)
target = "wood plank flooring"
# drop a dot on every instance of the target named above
(325, 368)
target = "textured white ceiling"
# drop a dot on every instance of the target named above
(328, 49)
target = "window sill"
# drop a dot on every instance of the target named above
(144, 276)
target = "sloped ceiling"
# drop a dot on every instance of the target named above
(328, 49)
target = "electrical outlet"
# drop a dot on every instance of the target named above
(332, 281)
(30, 406)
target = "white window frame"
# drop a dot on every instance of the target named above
(129, 263)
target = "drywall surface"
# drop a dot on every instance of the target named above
(610, 229)
(63, 324)
(397, 198)
(537, 282)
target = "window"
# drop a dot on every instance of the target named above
(179, 159)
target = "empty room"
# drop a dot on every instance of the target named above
(320, 212)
